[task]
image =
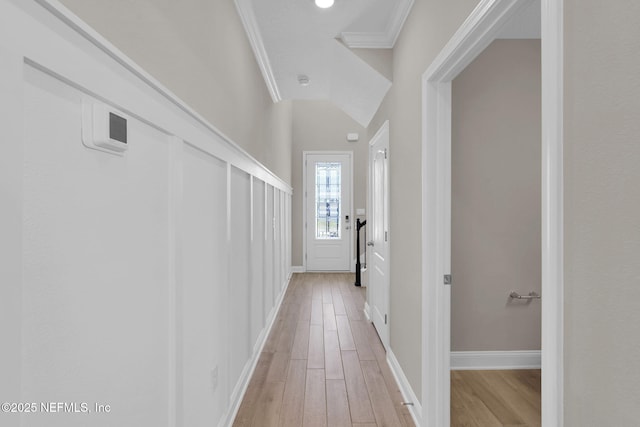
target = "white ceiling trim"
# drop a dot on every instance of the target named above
(356, 40)
(380, 40)
(245, 10)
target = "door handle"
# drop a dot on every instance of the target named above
(370, 243)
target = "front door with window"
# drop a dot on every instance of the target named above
(328, 211)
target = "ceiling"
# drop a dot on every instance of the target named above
(294, 38)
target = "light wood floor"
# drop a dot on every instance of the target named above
(495, 398)
(323, 363)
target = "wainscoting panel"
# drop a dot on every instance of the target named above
(149, 279)
(95, 306)
(203, 284)
(269, 288)
(240, 283)
(258, 313)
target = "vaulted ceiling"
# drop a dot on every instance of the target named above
(294, 39)
(304, 52)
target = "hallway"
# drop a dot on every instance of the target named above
(323, 363)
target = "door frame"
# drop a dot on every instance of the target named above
(475, 34)
(305, 154)
(368, 306)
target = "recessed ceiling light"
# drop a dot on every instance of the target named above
(303, 80)
(324, 4)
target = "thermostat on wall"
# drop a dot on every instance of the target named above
(104, 128)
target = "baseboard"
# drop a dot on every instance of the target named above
(298, 269)
(479, 360)
(405, 388)
(367, 311)
(243, 384)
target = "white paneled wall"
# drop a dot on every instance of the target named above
(148, 281)
(269, 258)
(203, 291)
(240, 283)
(258, 243)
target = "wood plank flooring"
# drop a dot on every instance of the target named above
(323, 363)
(495, 398)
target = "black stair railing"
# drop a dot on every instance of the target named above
(359, 225)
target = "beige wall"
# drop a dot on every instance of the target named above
(602, 213)
(495, 199)
(429, 26)
(318, 126)
(200, 51)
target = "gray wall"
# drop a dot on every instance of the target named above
(317, 126)
(200, 51)
(495, 199)
(429, 26)
(602, 213)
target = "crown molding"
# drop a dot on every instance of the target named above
(398, 19)
(248, 18)
(364, 40)
(380, 40)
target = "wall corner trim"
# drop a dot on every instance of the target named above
(405, 388)
(248, 18)
(298, 269)
(553, 335)
(481, 360)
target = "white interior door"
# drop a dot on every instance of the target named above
(328, 211)
(379, 226)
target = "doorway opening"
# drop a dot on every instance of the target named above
(496, 235)
(478, 31)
